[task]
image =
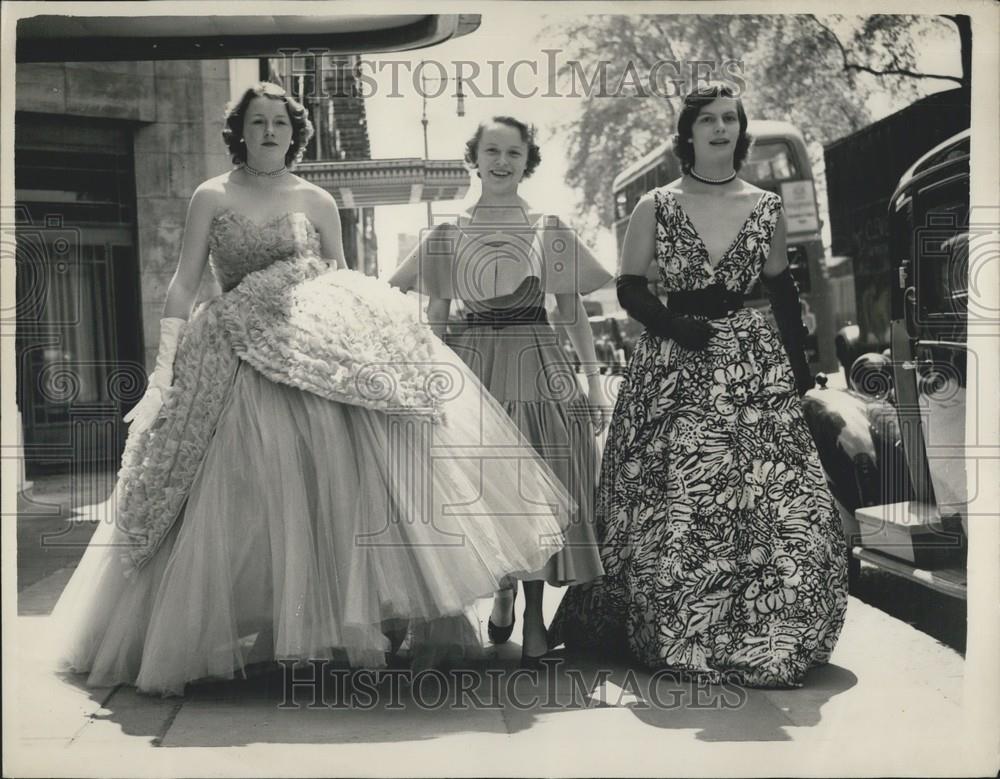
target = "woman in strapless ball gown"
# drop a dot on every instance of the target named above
(306, 476)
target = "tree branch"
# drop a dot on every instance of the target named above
(900, 72)
(849, 66)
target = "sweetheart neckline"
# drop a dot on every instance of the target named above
(229, 212)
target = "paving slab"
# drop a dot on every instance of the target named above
(887, 702)
(263, 722)
(127, 716)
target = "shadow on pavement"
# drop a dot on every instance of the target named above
(490, 697)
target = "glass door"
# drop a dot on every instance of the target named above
(79, 341)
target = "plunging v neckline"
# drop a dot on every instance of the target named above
(713, 266)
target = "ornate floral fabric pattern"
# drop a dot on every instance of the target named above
(722, 547)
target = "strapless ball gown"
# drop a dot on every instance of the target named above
(323, 467)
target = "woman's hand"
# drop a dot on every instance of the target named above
(144, 413)
(181, 295)
(690, 332)
(599, 401)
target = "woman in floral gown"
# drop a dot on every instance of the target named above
(723, 552)
(500, 259)
(306, 474)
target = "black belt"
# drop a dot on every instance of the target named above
(506, 317)
(713, 302)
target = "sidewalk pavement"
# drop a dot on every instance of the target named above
(888, 703)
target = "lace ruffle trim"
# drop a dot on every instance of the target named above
(338, 334)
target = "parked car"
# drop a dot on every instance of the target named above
(893, 444)
(862, 171)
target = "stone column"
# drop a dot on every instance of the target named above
(181, 148)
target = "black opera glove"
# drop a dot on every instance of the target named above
(784, 296)
(644, 307)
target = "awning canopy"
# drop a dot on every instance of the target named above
(76, 38)
(363, 183)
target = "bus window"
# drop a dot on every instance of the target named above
(770, 162)
(621, 205)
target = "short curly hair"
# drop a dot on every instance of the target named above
(695, 100)
(527, 136)
(232, 130)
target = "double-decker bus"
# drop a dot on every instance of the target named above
(778, 162)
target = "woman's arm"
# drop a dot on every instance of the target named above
(777, 258)
(184, 285)
(181, 295)
(326, 217)
(438, 310)
(573, 317)
(638, 251)
(639, 247)
(784, 296)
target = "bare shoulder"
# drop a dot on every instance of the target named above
(752, 191)
(749, 189)
(217, 184)
(645, 207)
(210, 195)
(312, 194)
(675, 187)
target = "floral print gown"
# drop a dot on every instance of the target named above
(723, 551)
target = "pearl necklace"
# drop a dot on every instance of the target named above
(268, 173)
(706, 180)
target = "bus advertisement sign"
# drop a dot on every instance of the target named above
(800, 206)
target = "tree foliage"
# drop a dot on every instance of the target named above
(815, 72)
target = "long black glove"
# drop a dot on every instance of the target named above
(644, 307)
(784, 296)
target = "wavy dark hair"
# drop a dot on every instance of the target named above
(527, 136)
(695, 100)
(232, 130)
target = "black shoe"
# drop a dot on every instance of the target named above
(500, 635)
(532, 663)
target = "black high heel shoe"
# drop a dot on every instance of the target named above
(500, 635)
(533, 662)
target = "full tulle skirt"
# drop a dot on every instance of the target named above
(312, 525)
(525, 369)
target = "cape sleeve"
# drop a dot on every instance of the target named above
(428, 268)
(568, 264)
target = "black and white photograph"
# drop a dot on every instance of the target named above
(500, 388)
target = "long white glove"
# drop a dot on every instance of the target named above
(145, 412)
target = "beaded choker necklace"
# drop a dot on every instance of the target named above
(268, 173)
(705, 180)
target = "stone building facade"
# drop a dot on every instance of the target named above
(106, 158)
